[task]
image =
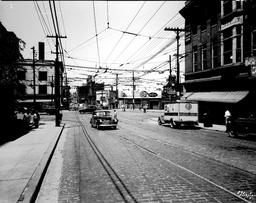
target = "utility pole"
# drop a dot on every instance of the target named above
(133, 87)
(177, 31)
(34, 78)
(170, 69)
(57, 82)
(117, 90)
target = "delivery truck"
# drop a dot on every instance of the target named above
(180, 113)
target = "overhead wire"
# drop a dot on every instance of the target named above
(95, 26)
(42, 22)
(125, 30)
(141, 30)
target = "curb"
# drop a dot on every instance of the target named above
(29, 194)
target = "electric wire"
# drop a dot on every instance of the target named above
(123, 33)
(95, 26)
(141, 30)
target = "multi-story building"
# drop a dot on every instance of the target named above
(220, 36)
(39, 79)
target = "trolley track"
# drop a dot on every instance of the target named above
(120, 185)
(116, 180)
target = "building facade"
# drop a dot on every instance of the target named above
(39, 79)
(220, 39)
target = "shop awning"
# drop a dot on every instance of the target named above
(224, 97)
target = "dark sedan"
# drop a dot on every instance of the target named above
(244, 125)
(88, 109)
(103, 118)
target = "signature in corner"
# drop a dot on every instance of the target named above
(248, 195)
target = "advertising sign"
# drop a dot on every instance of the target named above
(142, 94)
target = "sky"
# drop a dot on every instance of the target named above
(103, 38)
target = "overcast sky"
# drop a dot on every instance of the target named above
(105, 36)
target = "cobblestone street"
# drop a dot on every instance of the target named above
(125, 166)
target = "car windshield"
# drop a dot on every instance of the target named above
(104, 113)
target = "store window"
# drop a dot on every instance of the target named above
(42, 89)
(42, 75)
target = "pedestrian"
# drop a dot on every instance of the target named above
(60, 115)
(227, 116)
(144, 108)
(115, 114)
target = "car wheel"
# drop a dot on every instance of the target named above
(159, 121)
(114, 127)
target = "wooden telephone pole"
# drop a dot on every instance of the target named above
(57, 81)
(34, 78)
(177, 31)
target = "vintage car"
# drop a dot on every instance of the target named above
(243, 125)
(103, 118)
(88, 109)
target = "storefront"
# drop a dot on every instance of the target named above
(216, 102)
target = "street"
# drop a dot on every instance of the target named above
(142, 161)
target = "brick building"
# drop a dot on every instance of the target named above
(220, 37)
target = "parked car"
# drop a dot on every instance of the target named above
(88, 109)
(243, 125)
(103, 118)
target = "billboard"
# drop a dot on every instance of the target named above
(140, 93)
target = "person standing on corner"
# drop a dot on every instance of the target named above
(227, 116)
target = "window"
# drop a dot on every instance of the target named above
(203, 26)
(215, 53)
(214, 20)
(254, 37)
(204, 61)
(195, 58)
(238, 4)
(238, 44)
(254, 42)
(21, 75)
(42, 75)
(42, 89)
(194, 29)
(227, 46)
(227, 7)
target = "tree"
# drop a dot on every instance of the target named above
(10, 54)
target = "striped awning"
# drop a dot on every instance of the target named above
(223, 97)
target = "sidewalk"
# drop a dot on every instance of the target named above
(23, 161)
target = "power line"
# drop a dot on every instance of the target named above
(95, 25)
